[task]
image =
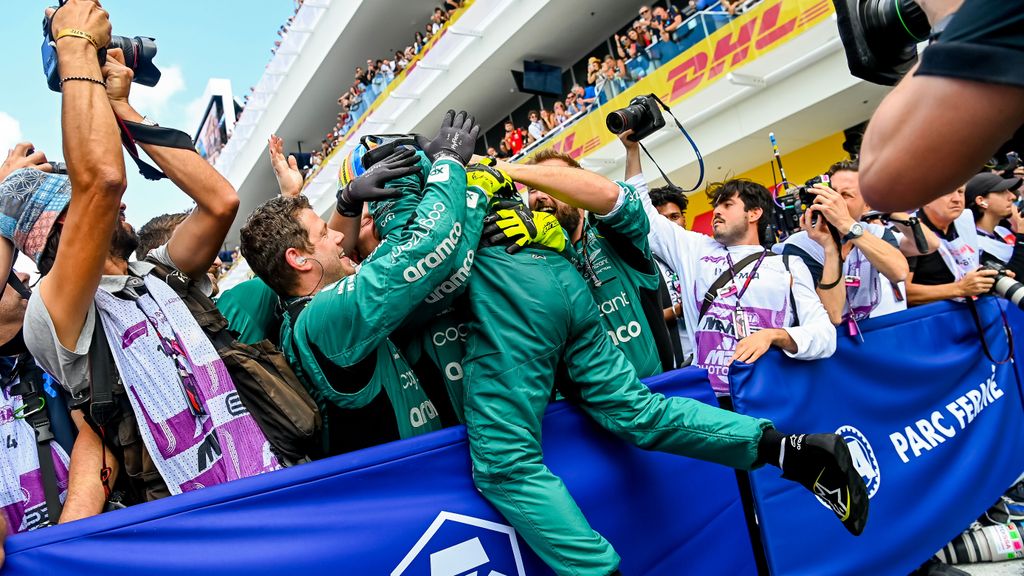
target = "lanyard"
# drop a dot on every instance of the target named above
(746, 283)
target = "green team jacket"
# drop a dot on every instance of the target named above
(339, 339)
(615, 259)
(433, 336)
(251, 310)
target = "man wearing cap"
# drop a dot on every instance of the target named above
(992, 200)
(952, 271)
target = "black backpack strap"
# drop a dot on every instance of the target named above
(792, 299)
(30, 388)
(102, 374)
(722, 280)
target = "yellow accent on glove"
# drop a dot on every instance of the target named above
(490, 181)
(522, 227)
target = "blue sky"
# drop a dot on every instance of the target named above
(197, 40)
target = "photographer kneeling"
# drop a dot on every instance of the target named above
(850, 276)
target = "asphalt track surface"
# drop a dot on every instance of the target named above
(1015, 568)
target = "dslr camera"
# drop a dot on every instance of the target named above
(880, 37)
(642, 116)
(790, 207)
(1005, 287)
(139, 52)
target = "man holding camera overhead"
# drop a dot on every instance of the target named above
(741, 299)
(851, 276)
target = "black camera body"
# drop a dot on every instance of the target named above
(880, 37)
(1005, 287)
(643, 116)
(790, 207)
(139, 52)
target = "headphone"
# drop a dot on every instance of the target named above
(300, 260)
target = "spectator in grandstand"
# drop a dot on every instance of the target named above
(572, 104)
(536, 129)
(91, 294)
(419, 43)
(559, 113)
(593, 71)
(514, 138)
(548, 119)
(852, 278)
(400, 62)
(953, 270)
(613, 255)
(671, 204)
(734, 320)
(365, 388)
(503, 151)
(583, 99)
(492, 152)
(512, 366)
(665, 20)
(360, 77)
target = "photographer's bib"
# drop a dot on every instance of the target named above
(22, 496)
(764, 304)
(190, 417)
(961, 253)
(997, 245)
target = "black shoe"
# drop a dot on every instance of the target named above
(822, 464)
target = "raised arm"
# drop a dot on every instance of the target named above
(92, 149)
(196, 242)
(576, 187)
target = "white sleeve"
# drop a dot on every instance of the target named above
(670, 242)
(815, 337)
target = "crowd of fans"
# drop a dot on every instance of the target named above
(654, 38)
(600, 273)
(371, 81)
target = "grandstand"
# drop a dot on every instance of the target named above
(777, 66)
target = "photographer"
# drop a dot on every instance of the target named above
(991, 199)
(91, 299)
(850, 277)
(951, 271)
(747, 311)
(960, 104)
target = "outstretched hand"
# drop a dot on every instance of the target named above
(456, 139)
(286, 170)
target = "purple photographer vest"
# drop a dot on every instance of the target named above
(193, 423)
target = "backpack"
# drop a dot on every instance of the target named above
(266, 384)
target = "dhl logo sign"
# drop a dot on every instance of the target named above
(755, 33)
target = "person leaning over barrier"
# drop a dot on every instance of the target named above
(535, 318)
(338, 319)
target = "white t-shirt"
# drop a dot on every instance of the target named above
(699, 260)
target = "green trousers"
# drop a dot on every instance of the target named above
(532, 315)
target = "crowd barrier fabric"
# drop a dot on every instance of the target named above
(410, 508)
(934, 426)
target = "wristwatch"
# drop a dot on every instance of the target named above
(856, 231)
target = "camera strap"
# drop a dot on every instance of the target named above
(973, 307)
(132, 132)
(696, 151)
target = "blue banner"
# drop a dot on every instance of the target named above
(410, 508)
(935, 428)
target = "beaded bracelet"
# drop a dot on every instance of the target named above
(83, 79)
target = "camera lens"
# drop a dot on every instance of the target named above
(617, 122)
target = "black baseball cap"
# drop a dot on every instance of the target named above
(986, 183)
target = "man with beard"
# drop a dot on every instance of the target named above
(136, 363)
(612, 254)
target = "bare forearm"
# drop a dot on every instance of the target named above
(576, 187)
(918, 294)
(834, 298)
(884, 257)
(633, 166)
(86, 496)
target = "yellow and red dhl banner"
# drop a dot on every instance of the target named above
(749, 36)
(754, 33)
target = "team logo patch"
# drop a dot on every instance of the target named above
(439, 173)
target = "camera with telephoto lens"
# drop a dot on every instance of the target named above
(139, 52)
(642, 116)
(790, 207)
(880, 37)
(984, 544)
(1005, 286)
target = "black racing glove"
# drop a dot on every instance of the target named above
(370, 185)
(456, 138)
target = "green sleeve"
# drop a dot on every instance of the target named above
(251, 310)
(626, 229)
(350, 318)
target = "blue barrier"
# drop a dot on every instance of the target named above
(410, 508)
(936, 428)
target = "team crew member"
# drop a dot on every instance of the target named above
(990, 197)
(872, 263)
(338, 320)
(611, 252)
(534, 316)
(740, 299)
(952, 271)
